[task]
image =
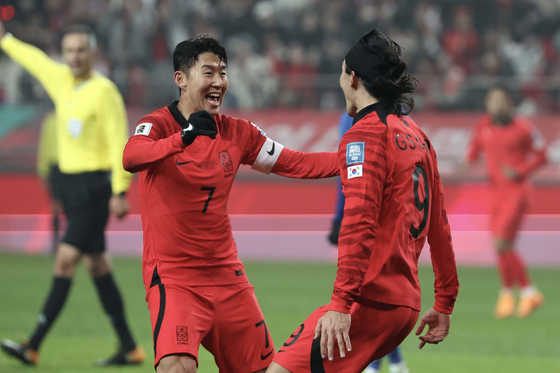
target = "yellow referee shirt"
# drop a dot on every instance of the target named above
(92, 127)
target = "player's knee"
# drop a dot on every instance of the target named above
(177, 364)
(67, 259)
(97, 265)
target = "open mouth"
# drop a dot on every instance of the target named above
(213, 98)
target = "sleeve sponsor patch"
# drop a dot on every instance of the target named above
(143, 129)
(355, 152)
(257, 127)
(355, 171)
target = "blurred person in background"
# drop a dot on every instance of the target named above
(514, 148)
(48, 171)
(393, 203)
(396, 361)
(91, 130)
(187, 168)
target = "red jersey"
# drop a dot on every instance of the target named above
(184, 193)
(394, 200)
(518, 144)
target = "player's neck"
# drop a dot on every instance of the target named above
(502, 121)
(364, 101)
(184, 108)
(80, 78)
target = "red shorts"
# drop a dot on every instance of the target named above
(507, 212)
(227, 320)
(375, 331)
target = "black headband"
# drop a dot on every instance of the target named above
(363, 60)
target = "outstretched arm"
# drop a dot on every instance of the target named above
(35, 61)
(274, 157)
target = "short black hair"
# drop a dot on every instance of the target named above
(393, 85)
(186, 52)
(508, 89)
(82, 29)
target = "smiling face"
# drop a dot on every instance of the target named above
(205, 84)
(77, 53)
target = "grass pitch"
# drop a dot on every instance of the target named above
(288, 293)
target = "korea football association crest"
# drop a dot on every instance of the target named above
(227, 164)
(182, 335)
(355, 171)
(355, 152)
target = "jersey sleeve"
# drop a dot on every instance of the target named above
(537, 154)
(148, 147)
(47, 154)
(115, 125)
(37, 63)
(441, 248)
(363, 182)
(475, 145)
(266, 155)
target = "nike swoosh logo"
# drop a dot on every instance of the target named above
(182, 163)
(266, 356)
(189, 128)
(271, 152)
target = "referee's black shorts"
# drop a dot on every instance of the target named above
(85, 200)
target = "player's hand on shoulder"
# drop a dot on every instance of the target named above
(201, 123)
(118, 206)
(334, 326)
(438, 327)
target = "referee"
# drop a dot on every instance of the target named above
(91, 131)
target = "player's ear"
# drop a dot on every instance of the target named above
(180, 79)
(354, 80)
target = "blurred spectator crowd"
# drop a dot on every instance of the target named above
(288, 53)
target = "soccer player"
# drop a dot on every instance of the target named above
(514, 148)
(396, 361)
(394, 200)
(187, 155)
(91, 128)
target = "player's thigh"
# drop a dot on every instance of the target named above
(180, 318)
(508, 220)
(240, 340)
(374, 333)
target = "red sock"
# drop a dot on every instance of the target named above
(519, 270)
(505, 269)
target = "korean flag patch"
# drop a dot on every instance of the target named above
(355, 152)
(355, 171)
(143, 129)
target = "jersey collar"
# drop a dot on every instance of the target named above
(179, 118)
(379, 107)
